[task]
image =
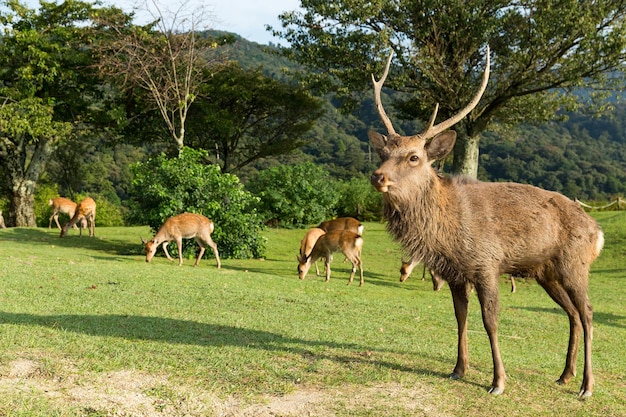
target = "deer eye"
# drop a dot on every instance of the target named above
(414, 158)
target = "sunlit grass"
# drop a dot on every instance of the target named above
(82, 308)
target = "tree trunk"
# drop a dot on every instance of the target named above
(23, 165)
(22, 208)
(465, 156)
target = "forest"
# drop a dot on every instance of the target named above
(258, 121)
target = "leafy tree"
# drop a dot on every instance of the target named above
(164, 187)
(47, 91)
(542, 51)
(166, 60)
(296, 195)
(245, 115)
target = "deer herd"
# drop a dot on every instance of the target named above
(467, 234)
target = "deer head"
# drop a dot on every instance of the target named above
(403, 156)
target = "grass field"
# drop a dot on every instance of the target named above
(87, 328)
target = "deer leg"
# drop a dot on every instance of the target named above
(167, 254)
(327, 266)
(578, 295)
(360, 264)
(213, 246)
(179, 243)
(487, 291)
(202, 249)
(460, 298)
(560, 296)
(352, 272)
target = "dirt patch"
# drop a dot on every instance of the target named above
(131, 393)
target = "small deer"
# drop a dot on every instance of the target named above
(342, 223)
(345, 241)
(407, 268)
(308, 242)
(62, 205)
(179, 227)
(471, 232)
(2, 225)
(85, 211)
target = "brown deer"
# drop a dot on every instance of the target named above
(179, 227)
(342, 223)
(407, 268)
(471, 232)
(62, 205)
(345, 241)
(85, 210)
(308, 242)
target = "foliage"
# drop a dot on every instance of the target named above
(358, 199)
(164, 187)
(542, 51)
(166, 60)
(245, 115)
(296, 195)
(47, 90)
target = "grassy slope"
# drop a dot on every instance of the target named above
(88, 328)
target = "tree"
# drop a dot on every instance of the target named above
(44, 57)
(244, 115)
(165, 59)
(542, 52)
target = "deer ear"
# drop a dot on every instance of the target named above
(441, 145)
(378, 141)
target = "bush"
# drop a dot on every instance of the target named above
(164, 187)
(295, 195)
(358, 199)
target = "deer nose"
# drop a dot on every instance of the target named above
(377, 179)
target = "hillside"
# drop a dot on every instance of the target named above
(582, 157)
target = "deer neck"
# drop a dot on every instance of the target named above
(425, 221)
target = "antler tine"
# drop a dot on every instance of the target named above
(431, 122)
(378, 85)
(431, 131)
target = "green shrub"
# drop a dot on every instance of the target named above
(357, 198)
(295, 195)
(164, 187)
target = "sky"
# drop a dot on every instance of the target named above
(246, 18)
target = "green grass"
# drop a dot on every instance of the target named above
(88, 328)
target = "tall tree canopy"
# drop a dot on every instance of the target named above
(542, 51)
(47, 91)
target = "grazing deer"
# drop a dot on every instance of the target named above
(308, 242)
(179, 227)
(342, 223)
(471, 232)
(85, 211)
(345, 241)
(62, 205)
(407, 268)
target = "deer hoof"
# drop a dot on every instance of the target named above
(496, 390)
(584, 394)
(454, 376)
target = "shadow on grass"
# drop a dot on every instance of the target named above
(30, 236)
(173, 331)
(607, 319)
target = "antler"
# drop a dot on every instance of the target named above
(432, 131)
(378, 85)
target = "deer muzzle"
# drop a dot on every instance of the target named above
(380, 182)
